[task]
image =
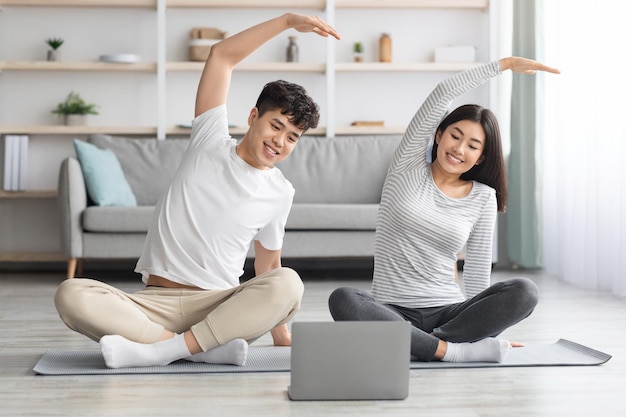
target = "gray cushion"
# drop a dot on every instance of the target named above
(148, 164)
(340, 170)
(117, 219)
(332, 217)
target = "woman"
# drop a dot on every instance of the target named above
(428, 213)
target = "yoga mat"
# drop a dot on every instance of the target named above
(278, 359)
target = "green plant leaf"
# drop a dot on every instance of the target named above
(74, 104)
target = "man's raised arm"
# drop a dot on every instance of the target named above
(224, 55)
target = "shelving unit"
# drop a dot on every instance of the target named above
(162, 67)
(332, 71)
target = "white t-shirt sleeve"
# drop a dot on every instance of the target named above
(209, 127)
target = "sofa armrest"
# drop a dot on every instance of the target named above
(72, 201)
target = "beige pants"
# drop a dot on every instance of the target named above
(215, 317)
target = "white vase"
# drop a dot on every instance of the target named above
(75, 119)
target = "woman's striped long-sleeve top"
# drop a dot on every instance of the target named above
(420, 230)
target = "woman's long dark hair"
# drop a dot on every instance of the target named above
(491, 170)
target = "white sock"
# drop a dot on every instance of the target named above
(485, 350)
(120, 352)
(234, 352)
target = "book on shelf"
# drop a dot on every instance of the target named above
(22, 178)
(15, 163)
(7, 162)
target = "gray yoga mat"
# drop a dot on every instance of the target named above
(278, 359)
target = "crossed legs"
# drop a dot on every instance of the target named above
(132, 328)
(463, 332)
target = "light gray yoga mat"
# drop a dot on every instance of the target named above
(278, 359)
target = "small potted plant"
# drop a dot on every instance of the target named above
(54, 44)
(358, 52)
(74, 110)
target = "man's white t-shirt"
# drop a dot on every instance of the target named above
(216, 205)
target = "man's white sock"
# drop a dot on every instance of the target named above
(120, 352)
(485, 350)
(234, 352)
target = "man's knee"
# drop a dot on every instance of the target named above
(68, 301)
(285, 283)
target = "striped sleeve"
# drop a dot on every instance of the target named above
(478, 259)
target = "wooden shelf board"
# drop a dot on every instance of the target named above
(249, 4)
(81, 3)
(76, 66)
(411, 4)
(404, 67)
(244, 67)
(252, 67)
(31, 257)
(177, 130)
(116, 130)
(28, 194)
(78, 130)
(255, 4)
(369, 130)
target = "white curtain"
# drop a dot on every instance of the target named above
(583, 142)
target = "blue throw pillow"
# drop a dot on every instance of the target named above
(104, 178)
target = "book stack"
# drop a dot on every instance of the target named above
(15, 161)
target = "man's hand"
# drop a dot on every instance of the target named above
(281, 335)
(314, 24)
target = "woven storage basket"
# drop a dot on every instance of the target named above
(201, 40)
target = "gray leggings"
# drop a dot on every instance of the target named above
(485, 315)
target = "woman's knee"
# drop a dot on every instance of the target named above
(341, 303)
(526, 292)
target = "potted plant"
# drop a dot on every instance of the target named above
(54, 44)
(74, 110)
(358, 52)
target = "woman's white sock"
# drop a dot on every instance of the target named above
(120, 352)
(485, 350)
(234, 352)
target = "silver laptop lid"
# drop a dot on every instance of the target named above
(354, 360)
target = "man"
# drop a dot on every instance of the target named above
(223, 196)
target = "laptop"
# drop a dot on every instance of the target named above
(350, 360)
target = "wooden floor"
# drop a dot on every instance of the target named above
(29, 325)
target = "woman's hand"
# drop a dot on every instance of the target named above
(525, 66)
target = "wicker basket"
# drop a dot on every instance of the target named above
(201, 40)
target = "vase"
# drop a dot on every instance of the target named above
(52, 55)
(75, 119)
(292, 50)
